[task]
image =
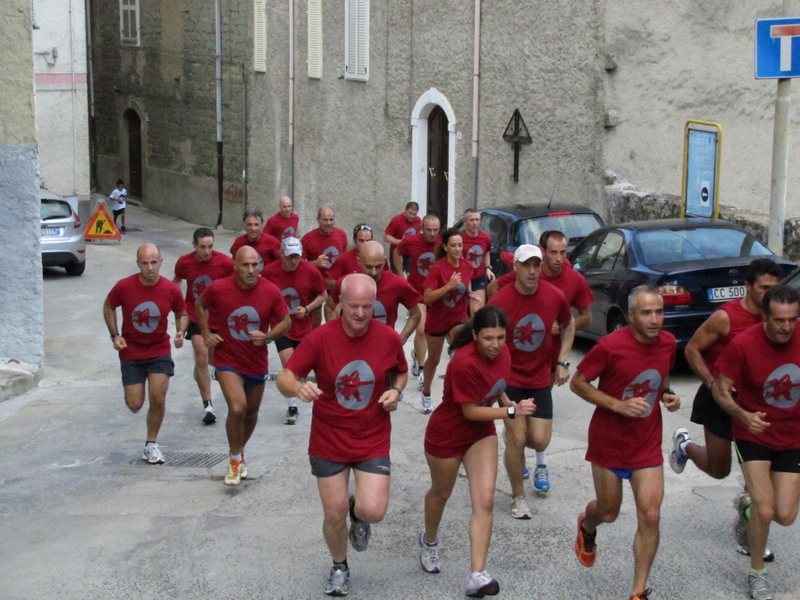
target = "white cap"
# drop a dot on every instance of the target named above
(291, 246)
(527, 251)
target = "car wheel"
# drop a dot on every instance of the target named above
(76, 269)
(616, 322)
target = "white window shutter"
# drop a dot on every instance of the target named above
(260, 36)
(315, 39)
(129, 22)
(356, 40)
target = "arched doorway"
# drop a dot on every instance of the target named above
(438, 158)
(133, 128)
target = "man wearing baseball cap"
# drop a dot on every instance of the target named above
(303, 289)
(532, 307)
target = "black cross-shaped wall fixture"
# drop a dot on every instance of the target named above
(517, 134)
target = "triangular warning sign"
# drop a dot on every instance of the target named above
(101, 226)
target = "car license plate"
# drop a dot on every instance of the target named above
(52, 230)
(723, 294)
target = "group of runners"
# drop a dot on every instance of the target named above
(509, 338)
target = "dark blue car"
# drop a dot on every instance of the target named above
(697, 264)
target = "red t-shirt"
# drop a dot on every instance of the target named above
(347, 264)
(571, 283)
(348, 423)
(767, 377)
(475, 249)
(451, 309)
(740, 320)
(393, 290)
(627, 368)
(281, 227)
(200, 273)
(528, 335)
(268, 248)
(316, 244)
(237, 313)
(470, 378)
(145, 310)
(399, 227)
(422, 258)
(299, 288)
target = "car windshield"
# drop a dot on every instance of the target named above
(55, 209)
(574, 226)
(661, 246)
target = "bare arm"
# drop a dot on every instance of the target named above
(290, 386)
(430, 296)
(476, 412)
(723, 394)
(302, 311)
(212, 340)
(492, 289)
(411, 323)
(391, 240)
(110, 317)
(716, 326)
(567, 337)
(584, 319)
(281, 328)
(181, 324)
(632, 407)
(391, 397)
(397, 259)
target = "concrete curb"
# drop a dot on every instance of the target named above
(16, 378)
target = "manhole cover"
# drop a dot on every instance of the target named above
(202, 460)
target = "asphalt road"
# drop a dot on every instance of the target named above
(82, 518)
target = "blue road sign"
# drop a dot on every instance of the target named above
(777, 52)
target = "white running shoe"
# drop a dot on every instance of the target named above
(427, 405)
(678, 458)
(481, 584)
(428, 555)
(152, 454)
(337, 582)
(421, 380)
(415, 368)
(519, 508)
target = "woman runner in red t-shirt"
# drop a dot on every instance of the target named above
(447, 292)
(462, 430)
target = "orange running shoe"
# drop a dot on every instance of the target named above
(642, 595)
(585, 549)
(234, 476)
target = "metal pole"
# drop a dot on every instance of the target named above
(218, 83)
(476, 87)
(291, 99)
(780, 156)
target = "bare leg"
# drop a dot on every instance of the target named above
(648, 491)
(335, 505)
(201, 376)
(435, 345)
(480, 462)
(714, 458)
(233, 389)
(444, 472)
(420, 342)
(604, 508)
(157, 384)
(514, 455)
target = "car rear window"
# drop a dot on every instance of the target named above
(574, 226)
(55, 209)
(660, 246)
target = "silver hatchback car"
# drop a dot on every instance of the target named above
(62, 239)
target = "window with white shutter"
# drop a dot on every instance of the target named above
(315, 39)
(260, 36)
(129, 22)
(356, 40)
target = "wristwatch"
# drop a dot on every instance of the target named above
(563, 363)
(512, 412)
(399, 392)
(114, 336)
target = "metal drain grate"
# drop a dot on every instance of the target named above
(201, 460)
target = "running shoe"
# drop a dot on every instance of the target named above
(741, 503)
(526, 474)
(243, 468)
(337, 582)
(678, 458)
(209, 416)
(758, 586)
(519, 508)
(428, 555)
(481, 584)
(541, 479)
(234, 476)
(291, 416)
(360, 531)
(421, 380)
(585, 548)
(645, 595)
(427, 405)
(415, 370)
(152, 454)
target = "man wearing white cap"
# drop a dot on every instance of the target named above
(303, 289)
(532, 307)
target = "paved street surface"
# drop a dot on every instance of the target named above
(82, 518)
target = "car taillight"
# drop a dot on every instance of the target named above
(675, 294)
(559, 214)
(77, 220)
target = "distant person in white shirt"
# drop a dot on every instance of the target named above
(117, 197)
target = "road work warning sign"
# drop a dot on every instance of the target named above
(101, 226)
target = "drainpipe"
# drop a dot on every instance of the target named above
(476, 88)
(218, 40)
(291, 99)
(89, 52)
(72, 100)
(244, 139)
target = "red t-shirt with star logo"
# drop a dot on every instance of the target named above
(470, 378)
(199, 274)
(145, 312)
(422, 258)
(628, 368)
(281, 227)
(347, 264)
(400, 227)
(767, 377)
(237, 312)
(475, 249)
(451, 309)
(528, 335)
(299, 288)
(316, 244)
(267, 246)
(348, 423)
(393, 291)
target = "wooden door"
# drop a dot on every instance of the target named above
(134, 154)
(438, 157)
